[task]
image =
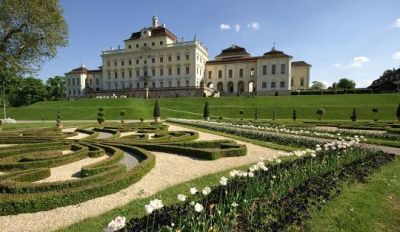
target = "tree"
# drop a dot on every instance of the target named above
(321, 112)
(100, 116)
(122, 113)
(156, 111)
(354, 115)
(398, 112)
(375, 111)
(30, 32)
(294, 115)
(55, 88)
(345, 83)
(317, 85)
(256, 114)
(27, 91)
(206, 112)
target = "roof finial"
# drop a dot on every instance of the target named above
(273, 46)
(195, 37)
(155, 20)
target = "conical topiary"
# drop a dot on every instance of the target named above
(294, 115)
(206, 112)
(354, 115)
(101, 116)
(256, 114)
(156, 111)
(398, 112)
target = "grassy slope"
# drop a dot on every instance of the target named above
(374, 206)
(337, 107)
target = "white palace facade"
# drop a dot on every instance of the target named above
(154, 63)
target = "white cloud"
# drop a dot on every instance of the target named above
(363, 84)
(358, 61)
(237, 28)
(337, 65)
(396, 56)
(254, 25)
(396, 23)
(327, 84)
(225, 27)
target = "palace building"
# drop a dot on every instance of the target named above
(155, 63)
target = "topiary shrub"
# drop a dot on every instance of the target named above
(141, 119)
(241, 115)
(206, 113)
(122, 113)
(276, 93)
(101, 116)
(294, 115)
(375, 110)
(398, 112)
(273, 115)
(320, 112)
(354, 115)
(156, 111)
(256, 114)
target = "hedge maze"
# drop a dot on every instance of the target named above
(27, 162)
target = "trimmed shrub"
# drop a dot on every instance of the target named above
(354, 115)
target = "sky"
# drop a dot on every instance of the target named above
(356, 39)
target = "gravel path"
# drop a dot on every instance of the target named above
(80, 135)
(104, 135)
(70, 171)
(7, 145)
(169, 170)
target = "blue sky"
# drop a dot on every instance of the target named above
(355, 39)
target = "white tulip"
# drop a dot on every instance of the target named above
(181, 197)
(198, 207)
(206, 191)
(193, 190)
(223, 181)
(148, 209)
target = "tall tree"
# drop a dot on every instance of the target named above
(56, 88)
(27, 91)
(30, 32)
(345, 83)
(317, 85)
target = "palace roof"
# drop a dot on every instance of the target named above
(155, 31)
(233, 52)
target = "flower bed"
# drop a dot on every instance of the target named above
(255, 199)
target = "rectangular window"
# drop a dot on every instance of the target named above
(73, 81)
(264, 85)
(209, 74)
(282, 85)
(109, 75)
(161, 42)
(154, 84)
(145, 44)
(137, 85)
(115, 75)
(69, 82)
(230, 73)
(97, 81)
(273, 85)
(90, 81)
(241, 72)
(178, 57)
(283, 68)
(129, 62)
(169, 58)
(137, 45)
(115, 63)
(161, 59)
(161, 72)
(169, 71)
(130, 74)
(123, 74)
(108, 64)
(252, 72)
(153, 72)
(145, 61)
(187, 56)
(178, 71)
(178, 83)
(292, 82)
(187, 70)
(302, 82)
(153, 60)
(264, 69)
(219, 73)
(161, 84)
(187, 83)
(137, 73)
(122, 63)
(137, 61)
(169, 83)
(274, 69)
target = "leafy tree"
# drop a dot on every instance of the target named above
(206, 112)
(345, 83)
(56, 88)
(122, 113)
(294, 115)
(30, 32)
(256, 114)
(354, 115)
(27, 91)
(156, 111)
(398, 112)
(321, 112)
(100, 116)
(375, 110)
(317, 85)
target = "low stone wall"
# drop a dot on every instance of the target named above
(155, 93)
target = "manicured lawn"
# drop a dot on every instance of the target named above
(374, 206)
(338, 107)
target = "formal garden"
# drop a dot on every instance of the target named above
(175, 174)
